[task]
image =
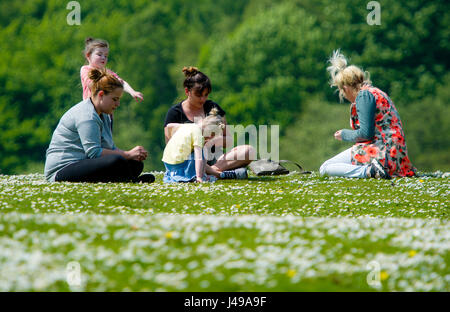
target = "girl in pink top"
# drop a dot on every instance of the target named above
(96, 53)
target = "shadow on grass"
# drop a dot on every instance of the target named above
(265, 178)
(253, 179)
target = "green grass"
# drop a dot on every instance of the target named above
(290, 233)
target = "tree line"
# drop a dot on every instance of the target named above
(267, 62)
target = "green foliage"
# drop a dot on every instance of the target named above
(427, 124)
(266, 59)
(308, 141)
(267, 67)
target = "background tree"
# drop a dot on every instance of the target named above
(267, 62)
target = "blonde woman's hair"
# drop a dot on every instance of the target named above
(343, 75)
(214, 119)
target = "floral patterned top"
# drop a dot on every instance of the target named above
(388, 144)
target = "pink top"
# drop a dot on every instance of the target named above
(85, 81)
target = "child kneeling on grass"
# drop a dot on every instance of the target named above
(183, 155)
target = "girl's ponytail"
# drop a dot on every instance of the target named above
(214, 119)
(214, 112)
(103, 81)
(190, 71)
(88, 40)
(96, 74)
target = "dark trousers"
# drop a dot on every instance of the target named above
(109, 168)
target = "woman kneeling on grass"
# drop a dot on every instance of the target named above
(82, 148)
(380, 150)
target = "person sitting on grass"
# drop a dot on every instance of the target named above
(82, 147)
(183, 155)
(197, 87)
(380, 146)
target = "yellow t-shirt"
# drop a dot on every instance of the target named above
(182, 143)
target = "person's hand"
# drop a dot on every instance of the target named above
(137, 153)
(338, 135)
(199, 180)
(138, 96)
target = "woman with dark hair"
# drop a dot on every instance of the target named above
(82, 148)
(197, 87)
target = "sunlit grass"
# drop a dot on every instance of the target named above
(290, 233)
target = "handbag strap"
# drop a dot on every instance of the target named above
(293, 162)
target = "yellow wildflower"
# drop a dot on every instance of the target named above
(291, 273)
(412, 253)
(169, 234)
(384, 275)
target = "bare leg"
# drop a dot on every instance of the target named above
(212, 171)
(239, 156)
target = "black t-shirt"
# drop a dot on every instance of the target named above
(177, 115)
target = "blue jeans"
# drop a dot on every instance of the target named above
(341, 166)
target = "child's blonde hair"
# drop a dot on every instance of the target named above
(343, 75)
(91, 44)
(214, 120)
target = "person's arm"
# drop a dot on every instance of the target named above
(91, 138)
(137, 153)
(173, 116)
(365, 108)
(127, 88)
(138, 96)
(199, 163)
(170, 129)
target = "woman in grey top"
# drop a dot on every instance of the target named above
(82, 148)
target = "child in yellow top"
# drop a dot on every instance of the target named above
(183, 155)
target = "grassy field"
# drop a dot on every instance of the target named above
(290, 233)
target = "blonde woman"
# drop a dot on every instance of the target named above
(380, 147)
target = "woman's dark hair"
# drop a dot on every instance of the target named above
(196, 80)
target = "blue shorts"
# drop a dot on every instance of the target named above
(184, 172)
